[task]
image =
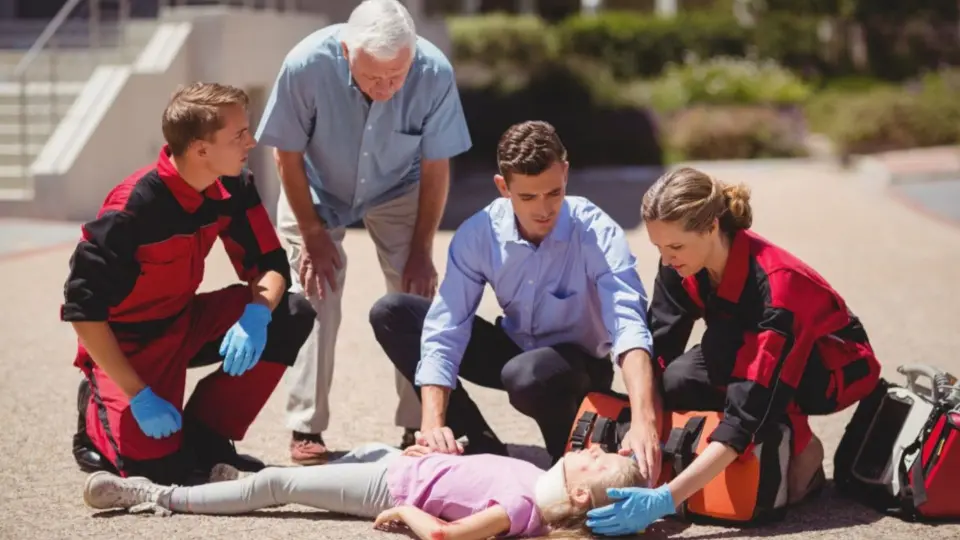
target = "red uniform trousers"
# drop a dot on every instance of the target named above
(222, 403)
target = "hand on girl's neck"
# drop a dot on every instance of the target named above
(198, 178)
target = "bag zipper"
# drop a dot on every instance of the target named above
(938, 449)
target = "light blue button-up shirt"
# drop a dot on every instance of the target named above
(359, 155)
(579, 286)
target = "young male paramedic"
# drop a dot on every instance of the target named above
(131, 296)
(573, 304)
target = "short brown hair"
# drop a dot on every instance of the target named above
(694, 199)
(529, 148)
(194, 113)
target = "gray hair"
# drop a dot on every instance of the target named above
(381, 28)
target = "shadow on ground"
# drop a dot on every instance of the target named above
(827, 512)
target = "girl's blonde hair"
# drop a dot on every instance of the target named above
(567, 520)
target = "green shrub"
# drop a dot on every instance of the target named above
(794, 41)
(640, 45)
(924, 113)
(726, 81)
(491, 40)
(731, 132)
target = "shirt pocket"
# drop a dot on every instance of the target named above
(166, 267)
(561, 311)
(398, 154)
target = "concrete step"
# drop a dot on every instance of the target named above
(11, 113)
(13, 181)
(35, 134)
(67, 66)
(39, 93)
(11, 154)
(137, 32)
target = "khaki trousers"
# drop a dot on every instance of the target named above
(391, 228)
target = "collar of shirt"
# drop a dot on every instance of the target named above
(188, 197)
(735, 271)
(507, 231)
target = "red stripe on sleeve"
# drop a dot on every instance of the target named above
(263, 230)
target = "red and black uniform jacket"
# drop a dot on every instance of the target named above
(139, 264)
(763, 321)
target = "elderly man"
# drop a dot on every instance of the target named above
(364, 117)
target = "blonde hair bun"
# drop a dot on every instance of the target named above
(737, 197)
(696, 200)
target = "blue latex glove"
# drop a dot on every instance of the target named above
(157, 417)
(242, 346)
(632, 512)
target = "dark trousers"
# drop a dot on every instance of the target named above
(546, 384)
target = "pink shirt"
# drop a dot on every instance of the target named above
(452, 487)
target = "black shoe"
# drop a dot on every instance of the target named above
(209, 448)
(409, 438)
(88, 458)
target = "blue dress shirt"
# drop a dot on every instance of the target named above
(359, 155)
(579, 286)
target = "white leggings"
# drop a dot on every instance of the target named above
(355, 484)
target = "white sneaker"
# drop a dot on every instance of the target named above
(104, 490)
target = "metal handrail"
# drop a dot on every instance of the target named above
(23, 66)
(47, 38)
(44, 37)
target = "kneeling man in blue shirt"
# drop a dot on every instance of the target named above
(572, 302)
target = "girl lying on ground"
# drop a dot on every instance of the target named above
(438, 496)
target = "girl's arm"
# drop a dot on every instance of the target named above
(484, 524)
(489, 522)
(714, 459)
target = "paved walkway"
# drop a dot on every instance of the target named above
(894, 266)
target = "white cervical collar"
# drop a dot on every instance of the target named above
(551, 488)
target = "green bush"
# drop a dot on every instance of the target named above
(499, 38)
(640, 45)
(731, 132)
(726, 81)
(794, 42)
(923, 113)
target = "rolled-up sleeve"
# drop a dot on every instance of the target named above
(623, 299)
(103, 267)
(449, 322)
(290, 112)
(445, 132)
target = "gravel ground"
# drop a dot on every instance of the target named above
(867, 245)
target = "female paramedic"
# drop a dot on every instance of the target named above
(780, 344)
